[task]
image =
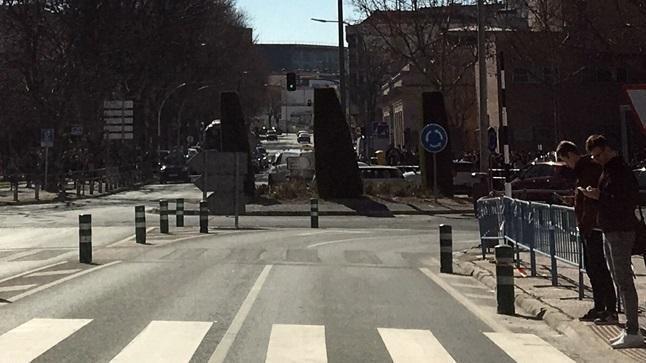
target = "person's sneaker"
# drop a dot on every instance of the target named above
(607, 318)
(591, 315)
(620, 336)
(629, 341)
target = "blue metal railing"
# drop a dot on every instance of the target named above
(549, 230)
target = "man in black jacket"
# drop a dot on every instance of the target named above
(585, 209)
(618, 194)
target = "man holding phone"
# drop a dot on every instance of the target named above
(618, 194)
(587, 173)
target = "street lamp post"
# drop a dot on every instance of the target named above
(159, 118)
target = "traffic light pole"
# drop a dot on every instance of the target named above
(342, 61)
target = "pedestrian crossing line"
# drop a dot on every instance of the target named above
(296, 343)
(33, 338)
(412, 346)
(53, 273)
(32, 271)
(165, 341)
(527, 348)
(16, 288)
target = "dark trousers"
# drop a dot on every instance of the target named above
(603, 289)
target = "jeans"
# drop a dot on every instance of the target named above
(619, 247)
(603, 290)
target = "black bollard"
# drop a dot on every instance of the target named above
(314, 212)
(554, 266)
(446, 249)
(163, 216)
(204, 217)
(179, 212)
(140, 224)
(85, 238)
(505, 279)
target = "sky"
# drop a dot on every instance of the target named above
(288, 21)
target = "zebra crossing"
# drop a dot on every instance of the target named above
(177, 341)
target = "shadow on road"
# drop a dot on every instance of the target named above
(366, 207)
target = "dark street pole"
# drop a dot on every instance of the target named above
(342, 61)
(482, 75)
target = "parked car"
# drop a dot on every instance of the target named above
(174, 168)
(278, 172)
(272, 136)
(640, 174)
(463, 179)
(376, 174)
(304, 138)
(544, 182)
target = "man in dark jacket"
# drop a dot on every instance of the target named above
(585, 209)
(618, 193)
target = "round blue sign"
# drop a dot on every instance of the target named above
(434, 138)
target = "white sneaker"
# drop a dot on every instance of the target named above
(629, 341)
(620, 336)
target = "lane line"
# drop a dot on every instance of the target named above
(53, 273)
(32, 271)
(414, 346)
(16, 288)
(58, 282)
(296, 344)
(129, 238)
(528, 348)
(459, 297)
(165, 341)
(33, 338)
(221, 351)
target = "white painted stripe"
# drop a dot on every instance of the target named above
(412, 346)
(222, 349)
(58, 282)
(140, 225)
(459, 297)
(33, 338)
(22, 254)
(129, 238)
(54, 273)
(165, 341)
(85, 227)
(32, 271)
(16, 288)
(526, 348)
(296, 343)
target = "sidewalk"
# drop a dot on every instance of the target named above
(366, 206)
(559, 306)
(28, 195)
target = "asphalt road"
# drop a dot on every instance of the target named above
(358, 290)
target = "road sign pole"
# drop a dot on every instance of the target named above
(435, 191)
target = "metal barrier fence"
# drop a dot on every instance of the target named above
(549, 230)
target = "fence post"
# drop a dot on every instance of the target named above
(85, 238)
(179, 212)
(204, 217)
(446, 249)
(163, 216)
(140, 224)
(552, 237)
(505, 279)
(314, 213)
(532, 239)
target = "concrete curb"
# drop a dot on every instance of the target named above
(328, 213)
(554, 318)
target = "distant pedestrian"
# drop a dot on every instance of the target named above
(618, 194)
(587, 173)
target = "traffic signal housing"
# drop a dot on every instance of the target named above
(291, 81)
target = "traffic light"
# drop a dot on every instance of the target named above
(291, 81)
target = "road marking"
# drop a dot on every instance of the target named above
(33, 338)
(16, 288)
(53, 273)
(129, 238)
(58, 282)
(527, 348)
(222, 349)
(459, 297)
(342, 241)
(412, 346)
(296, 343)
(32, 271)
(20, 255)
(165, 341)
